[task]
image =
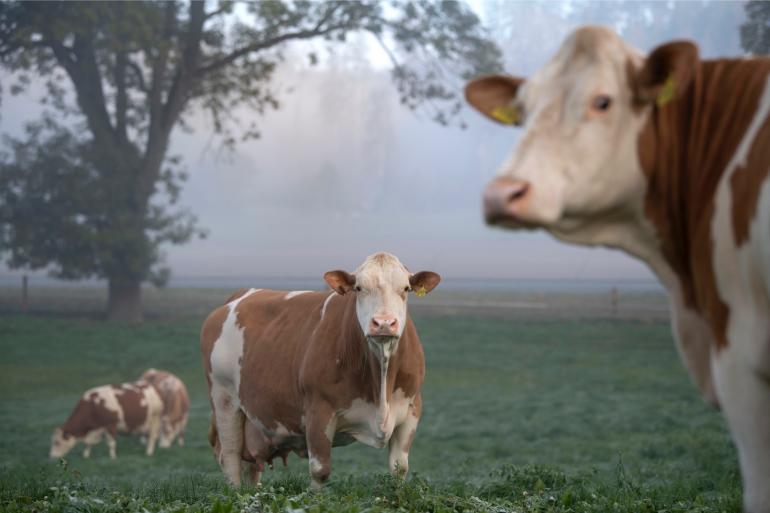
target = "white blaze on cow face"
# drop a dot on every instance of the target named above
(577, 157)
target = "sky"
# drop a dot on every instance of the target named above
(342, 170)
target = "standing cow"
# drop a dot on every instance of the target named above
(304, 371)
(132, 408)
(176, 405)
(665, 156)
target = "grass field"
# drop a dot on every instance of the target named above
(520, 415)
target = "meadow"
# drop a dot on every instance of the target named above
(524, 411)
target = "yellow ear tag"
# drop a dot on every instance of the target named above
(507, 114)
(421, 292)
(667, 92)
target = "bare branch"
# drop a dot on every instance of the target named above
(121, 96)
(138, 75)
(263, 45)
(223, 8)
(385, 48)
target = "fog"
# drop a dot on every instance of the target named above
(343, 170)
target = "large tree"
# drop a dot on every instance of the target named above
(92, 195)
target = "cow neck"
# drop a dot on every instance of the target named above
(684, 149)
(76, 424)
(367, 361)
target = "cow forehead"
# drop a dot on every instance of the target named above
(594, 50)
(381, 269)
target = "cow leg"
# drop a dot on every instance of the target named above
(254, 471)
(152, 436)
(166, 434)
(744, 393)
(169, 432)
(401, 440)
(110, 436)
(229, 428)
(92, 438)
(320, 426)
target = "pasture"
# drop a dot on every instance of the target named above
(524, 411)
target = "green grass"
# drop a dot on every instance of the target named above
(519, 415)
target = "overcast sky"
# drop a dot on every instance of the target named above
(342, 170)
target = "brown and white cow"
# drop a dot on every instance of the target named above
(176, 405)
(132, 408)
(304, 371)
(665, 156)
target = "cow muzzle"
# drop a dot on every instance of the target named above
(383, 326)
(505, 201)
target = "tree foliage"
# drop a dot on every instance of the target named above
(755, 32)
(90, 195)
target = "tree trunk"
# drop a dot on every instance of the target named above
(125, 300)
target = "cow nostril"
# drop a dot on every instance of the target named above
(518, 192)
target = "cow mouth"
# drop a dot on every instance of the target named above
(510, 222)
(382, 339)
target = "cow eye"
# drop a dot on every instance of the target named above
(407, 288)
(602, 102)
(358, 289)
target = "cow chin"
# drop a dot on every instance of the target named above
(383, 347)
(529, 219)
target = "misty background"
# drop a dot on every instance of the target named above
(343, 170)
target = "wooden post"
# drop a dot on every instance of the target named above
(24, 293)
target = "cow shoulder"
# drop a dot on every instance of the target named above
(411, 361)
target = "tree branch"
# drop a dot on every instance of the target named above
(138, 74)
(224, 7)
(263, 45)
(80, 64)
(121, 96)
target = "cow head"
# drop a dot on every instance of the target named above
(578, 160)
(61, 443)
(381, 285)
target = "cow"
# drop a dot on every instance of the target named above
(305, 371)
(130, 408)
(665, 156)
(176, 405)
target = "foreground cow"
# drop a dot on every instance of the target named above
(176, 405)
(666, 157)
(131, 408)
(305, 371)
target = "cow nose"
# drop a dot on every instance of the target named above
(383, 326)
(501, 198)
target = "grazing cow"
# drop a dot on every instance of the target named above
(132, 408)
(304, 371)
(176, 405)
(665, 156)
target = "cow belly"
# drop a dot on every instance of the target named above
(261, 444)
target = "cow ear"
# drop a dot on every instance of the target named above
(493, 96)
(340, 281)
(423, 282)
(666, 73)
